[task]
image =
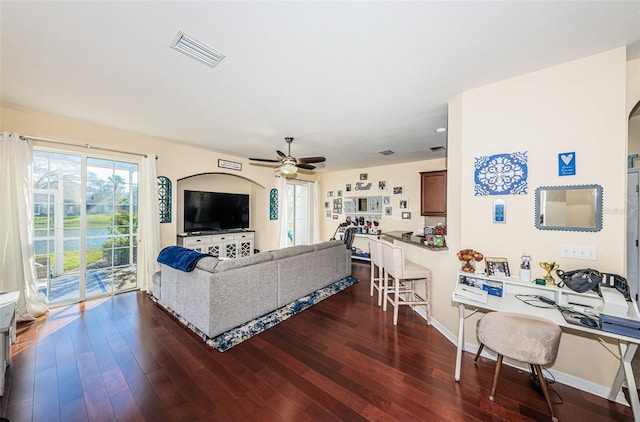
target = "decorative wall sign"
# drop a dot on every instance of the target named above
(164, 199)
(567, 164)
(273, 204)
(501, 174)
(231, 165)
(362, 186)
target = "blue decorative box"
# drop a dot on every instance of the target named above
(623, 326)
(494, 289)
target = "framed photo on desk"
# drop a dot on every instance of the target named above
(497, 266)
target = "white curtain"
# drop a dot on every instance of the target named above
(149, 225)
(314, 213)
(17, 255)
(281, 184)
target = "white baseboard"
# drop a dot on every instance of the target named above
(561, 377)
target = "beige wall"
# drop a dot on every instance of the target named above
(577, 106)
(175, 161)
(405, 175)
(633, 98)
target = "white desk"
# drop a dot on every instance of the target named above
(8, 302)
(509, 303)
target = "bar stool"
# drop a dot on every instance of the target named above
(377, 263)
(525, 338)
(377, 266)
(405, 274)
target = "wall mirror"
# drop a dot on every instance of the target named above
(571, 208)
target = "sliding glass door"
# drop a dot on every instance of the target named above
(85, 220)
(297, 214)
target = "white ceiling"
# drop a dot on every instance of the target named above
(346, 79)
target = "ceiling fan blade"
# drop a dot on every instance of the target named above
(266, 160)
(305, 166)
(281, 154)
(308, 160)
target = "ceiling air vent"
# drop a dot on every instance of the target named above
(196, 50)
(440, 148)
(386, 152)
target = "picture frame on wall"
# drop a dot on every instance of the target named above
(335, 216)
(387, 211)
(326, 204)
(406, 215)
(498, 267)
(397, 190)
(363, 176)
(330, 194)
(387, 200)
(382, 185)
(328, 214)
(348, 187)
(403, 204)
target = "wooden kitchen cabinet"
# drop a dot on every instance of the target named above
(433, 193)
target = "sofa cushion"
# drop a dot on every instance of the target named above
(291, 251)
(230, 264)
(328, 244)
(208, 263)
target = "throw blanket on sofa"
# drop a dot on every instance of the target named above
(180, 258)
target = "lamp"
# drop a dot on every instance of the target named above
(288, 168)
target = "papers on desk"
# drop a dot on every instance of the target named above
(470, 293)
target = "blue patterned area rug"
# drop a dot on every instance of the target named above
(237, 335)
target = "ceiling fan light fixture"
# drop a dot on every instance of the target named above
(288, 168)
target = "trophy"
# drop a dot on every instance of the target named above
(548, 267)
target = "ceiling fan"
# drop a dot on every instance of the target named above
(288, 164)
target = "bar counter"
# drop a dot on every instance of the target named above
(415, 240)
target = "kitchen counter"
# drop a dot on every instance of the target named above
(415, 240)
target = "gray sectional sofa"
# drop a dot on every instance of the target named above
(219, 295)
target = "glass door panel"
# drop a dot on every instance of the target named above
(85, 223)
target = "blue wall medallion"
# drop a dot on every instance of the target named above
(164, 199)
(501, 174)
(273, 204)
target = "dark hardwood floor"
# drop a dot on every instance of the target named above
(126, 359)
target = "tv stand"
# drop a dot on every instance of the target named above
(221, 244)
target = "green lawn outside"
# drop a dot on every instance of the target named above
(74, 221)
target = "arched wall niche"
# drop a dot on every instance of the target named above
(229, 183)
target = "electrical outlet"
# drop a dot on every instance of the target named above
(579, 252)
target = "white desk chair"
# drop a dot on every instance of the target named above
(405, 274)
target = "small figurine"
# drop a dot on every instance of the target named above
(525, 267)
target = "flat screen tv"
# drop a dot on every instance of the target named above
(214, 211)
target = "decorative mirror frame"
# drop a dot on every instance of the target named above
(598, 208)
